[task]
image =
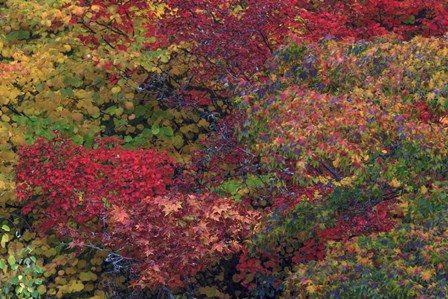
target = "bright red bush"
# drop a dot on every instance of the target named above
(367, 19)
(71, 187)
(126, 200)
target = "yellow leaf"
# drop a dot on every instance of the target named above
(5, 118)
(323, 179)
(300, 165)
(77, 286)
(115, 89)
(203, 123)
(96, 261)
(423, 190)
(336, 163)
(78, 11)
(18, 140)
(95, 8)
(129, 105)
(395, 183)
(5, 239)
(311, 289)
(42, 289)
(426, 275)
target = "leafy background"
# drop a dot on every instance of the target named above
(223, 149)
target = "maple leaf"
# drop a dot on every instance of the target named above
(75, 244)
(171, 207)
(311, 289)
(119, 215)
(426, 275)
(395, 183)
(218, 246)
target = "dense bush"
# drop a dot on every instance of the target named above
(223, 148)
(358, 132)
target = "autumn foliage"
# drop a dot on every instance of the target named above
(77, 185)
(117, 197)
(220, 149)
(176, 236)
(363, 127)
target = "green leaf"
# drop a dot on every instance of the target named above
(165, 58)
(39, 86)
(111, 110)
(73, 81)
(141, 110)
(96, 97)
(230, 186)
(106, 203)
(24, 34)
(78, 139)
(177, 141)
(18, 35)
(167, 131)
(38, 270)
(11, 260)
(155, 129)
(67, 92)
(254, 181)
(410, 20)
(6, 228)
